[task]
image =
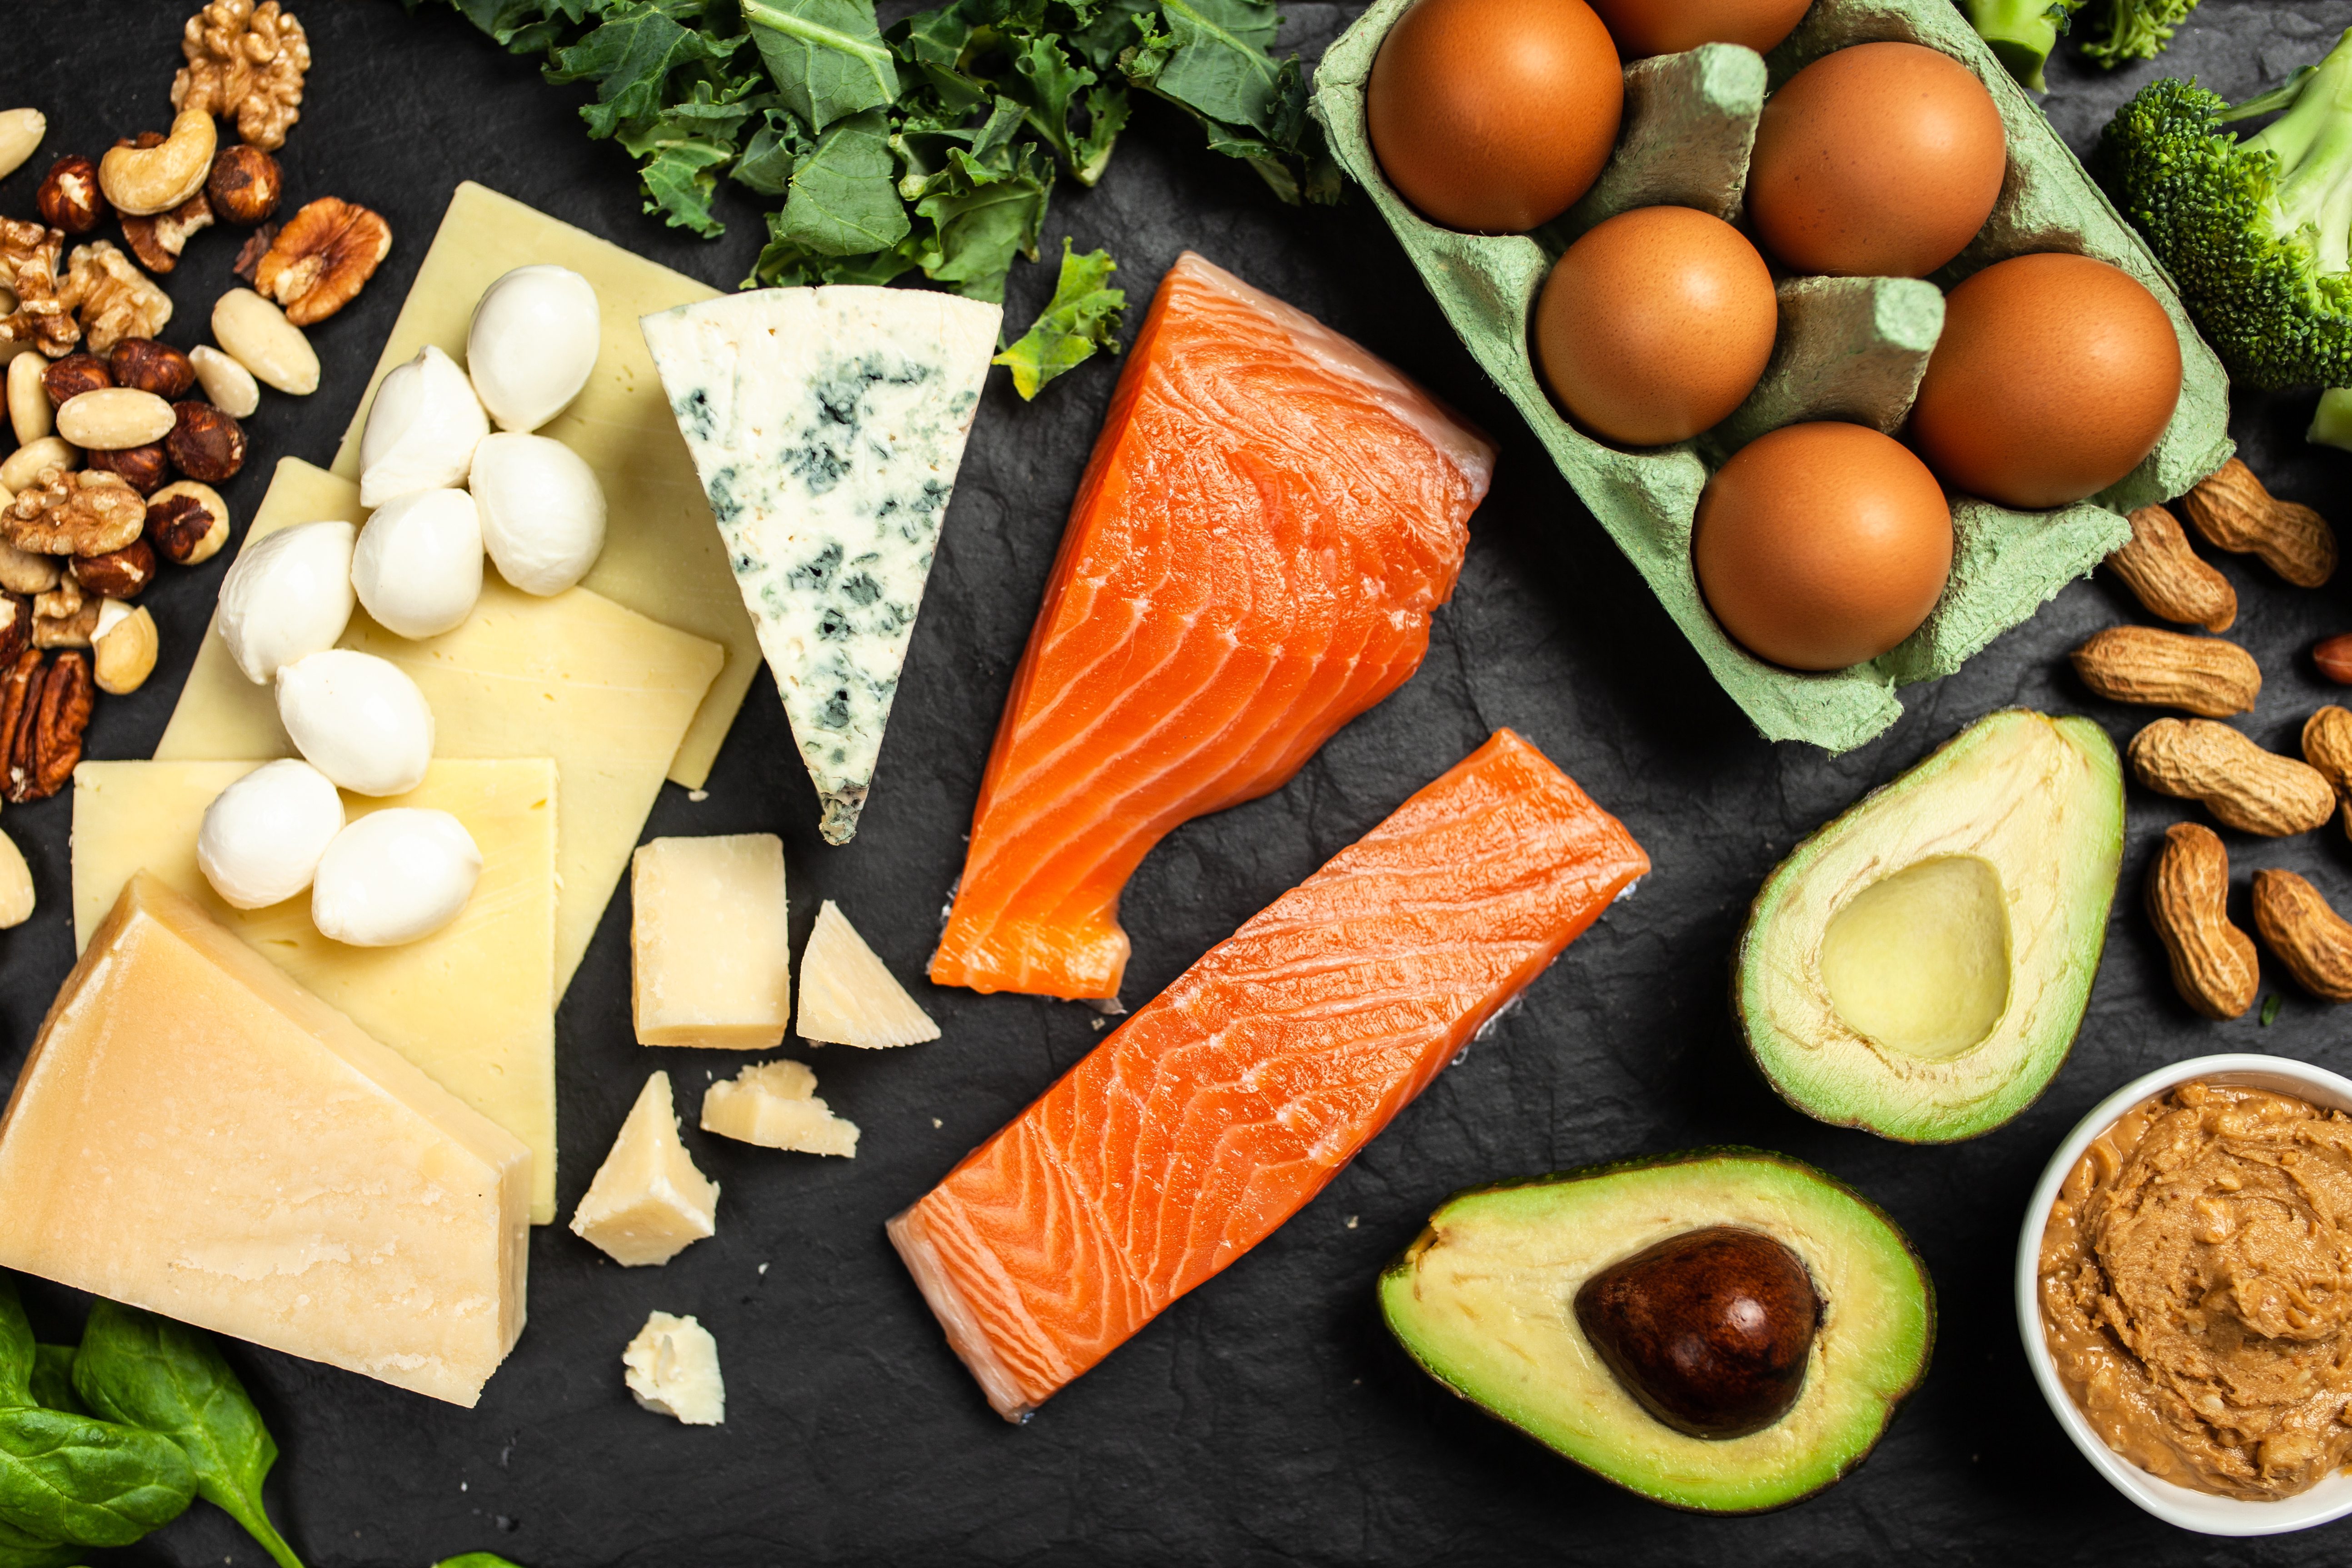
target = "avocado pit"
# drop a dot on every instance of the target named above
(1711, 1331)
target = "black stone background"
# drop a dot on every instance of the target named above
(1267, 1418)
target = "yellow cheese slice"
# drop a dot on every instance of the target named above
(604, 691)
(196, 1134)
(663, 556)
(473, 1005)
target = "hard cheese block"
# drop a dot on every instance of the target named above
(496, 1048)
(662, 558)
(196, 1134)
(710, 959)
(828, 425)
(648, 1203)
(603, 691)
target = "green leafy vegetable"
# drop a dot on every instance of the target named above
(476, 1559)
(73, 1478)
(53, 1386)
(167, 1378)
(2023, 33)
(2271, 1008)
(843, 200)
(2257, 233)
(19, 1549)
(826, 57)
(17, 1352)
(1083, 316)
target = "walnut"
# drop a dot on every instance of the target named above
(74, 514)
(157, 241)
(113, 299)
(322, 259)
(66, 628)
(44, 712)
(245, 61)
(28, 269)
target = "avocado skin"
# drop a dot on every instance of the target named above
(1401, 1268)
(2074, 728)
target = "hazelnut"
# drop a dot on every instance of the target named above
(143, 468)
(187, 522)
(71, 376)
(16, 626)
(204, 443)
(244, 184)
(152, 367)
(123, 573)
(70, 197)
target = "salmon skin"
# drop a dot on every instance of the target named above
(1269, 518)
(1223, 1105)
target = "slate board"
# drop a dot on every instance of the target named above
(1266, 1419)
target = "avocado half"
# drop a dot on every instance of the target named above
(1920, 967)
(1483, 1299)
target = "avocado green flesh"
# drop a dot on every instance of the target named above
(1484, 1302)
(1920, 967)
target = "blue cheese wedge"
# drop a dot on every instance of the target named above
(827, 426)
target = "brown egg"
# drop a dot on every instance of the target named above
(1879, 161)
(1821, 545)
(2053, 378)
(1494, 115)
(1669, 26)
(1656, 325)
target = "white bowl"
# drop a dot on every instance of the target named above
(2177, 1505)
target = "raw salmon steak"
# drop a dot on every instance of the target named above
(1270, 516)
(1226, 1103)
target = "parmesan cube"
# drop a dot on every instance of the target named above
(648, 1203)
(711, 957)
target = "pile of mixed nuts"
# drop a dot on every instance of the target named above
(121, 438)
(2214, 964)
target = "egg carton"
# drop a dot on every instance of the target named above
(1849, 348)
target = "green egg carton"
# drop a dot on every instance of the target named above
(1847, 348)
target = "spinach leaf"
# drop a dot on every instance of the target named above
(1083, 316)
(71, 1478)
(167, 1378)
(826, 55)
(53, 1386)
(842, 201)
(476, 1559)
(16, 1349)
(20, 1549)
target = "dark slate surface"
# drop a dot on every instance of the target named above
(1267, 1418)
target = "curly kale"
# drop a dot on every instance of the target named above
(2023, 33)
(2257, 233)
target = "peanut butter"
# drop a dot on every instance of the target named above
(2196, 1290)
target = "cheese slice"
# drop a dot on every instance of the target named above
(849, 996)
(711, 946)
(662, 558)
(603, 691)
(196, 1134)
(827, 426)
(648, 1203)
(775, 1106)
(473, 1005)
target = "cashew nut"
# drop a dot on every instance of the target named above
(143, 180)
(23, 466)
(256, 334)
(125, 647)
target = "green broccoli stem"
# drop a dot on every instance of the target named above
(2331, 422)
(2022, 32)
(2312, 143)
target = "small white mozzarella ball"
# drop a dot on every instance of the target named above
(534, 340)
(263, 836)
(289, 596)
(359, 720)
(542, 511)
(418, 567)
(421, 430)
(394, 876)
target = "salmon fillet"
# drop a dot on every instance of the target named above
(1269, 518)
(1224, 1105)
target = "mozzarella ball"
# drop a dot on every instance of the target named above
(418, 565)
(289, 596)
(263, 836)
(534, 340)
(542, 511)
(394, 876)
(359, 720)
(421, 430)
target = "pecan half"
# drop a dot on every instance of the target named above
(322, 259)
(54, 716)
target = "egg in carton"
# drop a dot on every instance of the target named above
(1847, 348)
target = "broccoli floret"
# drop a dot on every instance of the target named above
(2256, 234)
(2024, 32)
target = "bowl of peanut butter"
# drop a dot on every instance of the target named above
(2184, 1290)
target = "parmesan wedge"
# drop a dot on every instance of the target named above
(848, 996)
